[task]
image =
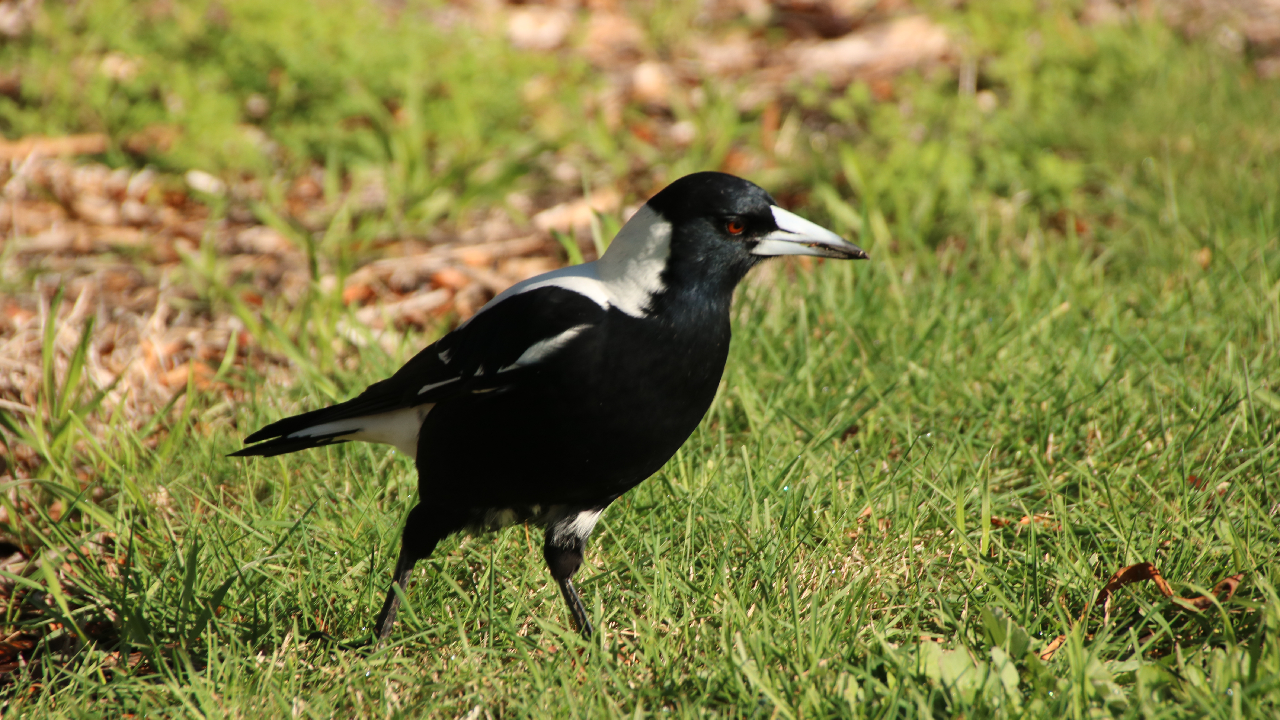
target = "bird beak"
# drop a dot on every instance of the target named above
(797, 236)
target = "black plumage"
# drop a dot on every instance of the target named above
(621, 357)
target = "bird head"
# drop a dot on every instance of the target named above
(703, 232)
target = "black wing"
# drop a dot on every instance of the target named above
(488, 351)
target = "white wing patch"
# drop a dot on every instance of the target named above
(398, 427)
(626, 277)
(544, 349)
(434, 385)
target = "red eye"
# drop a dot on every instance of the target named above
(735, 227)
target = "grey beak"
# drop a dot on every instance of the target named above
(797, 236)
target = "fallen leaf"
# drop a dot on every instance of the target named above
(1204, 258)
(1045, 521)
(1227, 586)
(877, 51)
(577, 214)
(537, 27)
(356, 293)
(1052, 647)
(1127, 576)
(177, 377)
(412, 308)
(1139, 572)
(91, 144)
(450, 277)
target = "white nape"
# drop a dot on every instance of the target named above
(626, 277)
(544, 349)
(632, 266)
(398, 427)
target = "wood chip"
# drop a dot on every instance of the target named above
(91, 144)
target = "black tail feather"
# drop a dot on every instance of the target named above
(369, 402)
(286, 426)
(282, 445)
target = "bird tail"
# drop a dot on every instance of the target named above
(362, 418)
(282, 445)
(295, 433)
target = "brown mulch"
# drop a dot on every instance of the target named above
(124, 244)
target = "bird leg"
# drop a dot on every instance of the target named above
(416, 542)
(576, 608)
(563, 553)
(404, 569)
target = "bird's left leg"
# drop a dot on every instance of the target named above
(565, 540)
(421, 533)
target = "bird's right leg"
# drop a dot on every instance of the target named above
(416, 543)
(566, 538)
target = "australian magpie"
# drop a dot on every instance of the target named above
(621, 357)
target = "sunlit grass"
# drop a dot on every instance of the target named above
(1092, 339)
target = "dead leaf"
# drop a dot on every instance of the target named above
(878, 51)
(612, 39)
(1204, 258)
(1128, 576)
(1223, 590)
(413, 309)
(577, 214)
(538, 27)
(450, 277)
(357, 293)
(177, 377)
(152, 139)
(1227, 586)
(1043, 520)
(91, 144)
(651, 84)
(523, 268)
(1052, 647)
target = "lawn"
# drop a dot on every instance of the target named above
(918, 477)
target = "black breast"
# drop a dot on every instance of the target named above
(602, 415)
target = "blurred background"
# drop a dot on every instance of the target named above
(188, 163)
(217, 212)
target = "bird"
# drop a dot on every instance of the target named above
(570, 388)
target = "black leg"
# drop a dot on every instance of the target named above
(416, 543)
(562, 548)
(400, 579)
(576, 608)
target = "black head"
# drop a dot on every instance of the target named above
(721, 226)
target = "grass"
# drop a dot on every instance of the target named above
(1073, 310)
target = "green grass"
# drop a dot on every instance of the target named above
(824, 545)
